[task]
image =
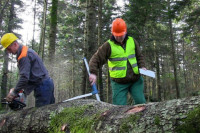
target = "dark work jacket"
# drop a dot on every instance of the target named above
(103, 53)
(31, 70)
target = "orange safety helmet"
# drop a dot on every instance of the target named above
(118, 27)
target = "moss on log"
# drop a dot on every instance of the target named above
(91, 116)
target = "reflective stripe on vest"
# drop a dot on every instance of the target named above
(23, 52)
(117, 61)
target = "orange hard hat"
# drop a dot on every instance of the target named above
(118, 27)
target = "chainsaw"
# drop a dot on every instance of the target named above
(17, 103)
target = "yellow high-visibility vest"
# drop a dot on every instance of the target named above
(117, 61)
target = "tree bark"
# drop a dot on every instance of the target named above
(85, 54)
(73, 65)
(11, 16)
(52, 35)
(152, 117)
(91, 47)
(89, 40)
(158, 71)
(43, 29)
(4, 76)
(34, 18)
(173, 52)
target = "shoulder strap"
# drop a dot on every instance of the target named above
(23, 52)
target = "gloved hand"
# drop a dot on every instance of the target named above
(92, 78)
(10, 95)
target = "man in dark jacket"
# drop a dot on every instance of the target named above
(33, 74)
(124, 59)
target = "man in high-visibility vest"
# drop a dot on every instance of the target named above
(33, 73)
(124, 58)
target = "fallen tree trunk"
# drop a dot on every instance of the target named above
(88, 116)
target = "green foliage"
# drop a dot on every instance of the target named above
(187, 40)
(54, 12)
(157, 120)
(191, 123)
(128, 123)
(147, 22)
(169, 76)
(75, 120)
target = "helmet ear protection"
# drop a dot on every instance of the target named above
(119, 27)
(7, 39)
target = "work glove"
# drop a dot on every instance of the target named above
(92, 78)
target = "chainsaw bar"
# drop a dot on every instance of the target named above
(78, 97)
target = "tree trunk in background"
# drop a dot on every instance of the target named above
(52, 35)
(6, 58)
(30, 100)
(73, 65)
(92, 43)
(84, 74)
(173, 51)
(4, 76)
(11, 16)
(73, 74)
(185, 71)
(43, 29)
(34, 17)
(94, 116)
(89, 40)
(10, 75)
(59, 92)
(91, 37)
(100, 80)
(157, 71)
(158, 77)
(162, 71)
